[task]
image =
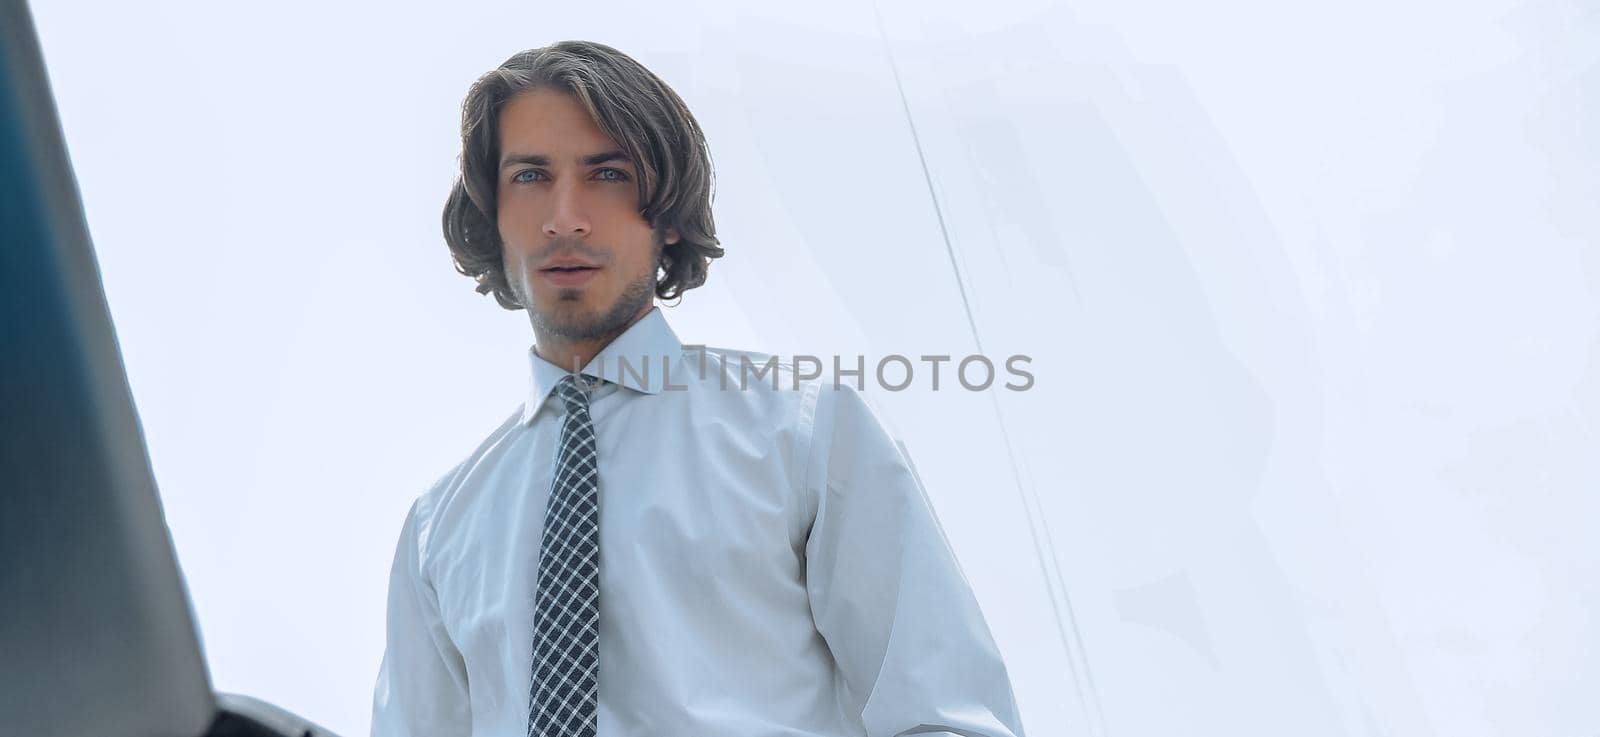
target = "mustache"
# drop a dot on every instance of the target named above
(572, 247)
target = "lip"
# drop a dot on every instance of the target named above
(567, 261)
(569, 278)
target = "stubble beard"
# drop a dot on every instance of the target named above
(568, 320)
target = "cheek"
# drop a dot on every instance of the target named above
(517, 226)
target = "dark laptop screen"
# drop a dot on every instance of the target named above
(96, 635)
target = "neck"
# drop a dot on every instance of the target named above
(572, 354)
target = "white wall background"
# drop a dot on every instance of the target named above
(1310, 289)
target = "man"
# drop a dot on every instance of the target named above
(644, 547)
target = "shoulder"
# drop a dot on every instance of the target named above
(751, 381)
(757, 369)
(835, 423)
(765, 400)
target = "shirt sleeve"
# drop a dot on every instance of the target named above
(422, 682)
(887, 593)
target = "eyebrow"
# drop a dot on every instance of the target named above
(542, 160)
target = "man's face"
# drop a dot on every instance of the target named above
(568, 196)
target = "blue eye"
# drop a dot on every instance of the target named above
(621, 176)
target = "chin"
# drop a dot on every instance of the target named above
(573, 319)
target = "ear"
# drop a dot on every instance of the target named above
(672, 235)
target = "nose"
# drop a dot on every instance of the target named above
(567, 212)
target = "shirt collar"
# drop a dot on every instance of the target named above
(641, 359)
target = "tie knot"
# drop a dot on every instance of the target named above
(573, 391)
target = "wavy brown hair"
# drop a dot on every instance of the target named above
(630, 104)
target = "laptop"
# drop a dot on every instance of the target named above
(97, 635)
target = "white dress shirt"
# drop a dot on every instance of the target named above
(770, 566)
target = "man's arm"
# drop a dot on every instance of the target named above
(888, 594)
(422, 683)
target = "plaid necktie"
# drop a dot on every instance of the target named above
(566, 614)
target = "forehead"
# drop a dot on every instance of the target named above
(549, 121)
